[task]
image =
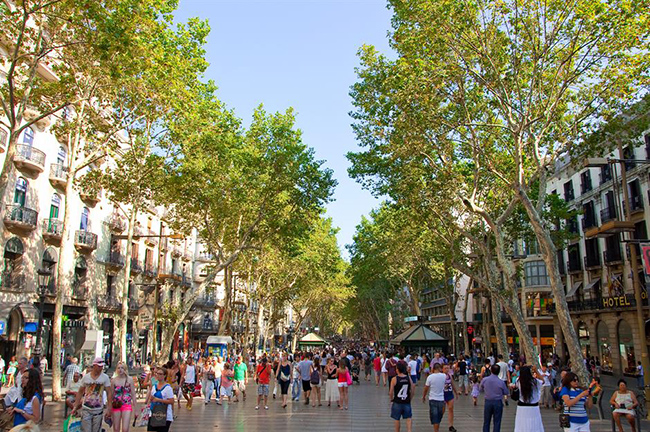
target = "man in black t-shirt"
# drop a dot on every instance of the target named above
(401, 393)
(463, 381)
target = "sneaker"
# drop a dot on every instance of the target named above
(266, 407)
(452, 429)
(257, 407)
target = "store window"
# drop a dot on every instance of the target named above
(539, 305)
(28, 137)
(626, 347)
(20, 193)
(604, 347)
(535, 273)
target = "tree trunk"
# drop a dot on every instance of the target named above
(465, 306)
(549, 255)
(499, 328)
(414, 299)
(124, 292)
(8, 164)
(224, 325)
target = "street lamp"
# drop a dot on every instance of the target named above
(44, 277)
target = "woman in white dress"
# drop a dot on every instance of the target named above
(624, 402)
(528, 417)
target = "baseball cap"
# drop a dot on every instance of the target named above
(98, 361)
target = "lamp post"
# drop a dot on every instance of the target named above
(44, 277)
(266, 328)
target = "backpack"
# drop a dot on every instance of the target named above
(315, 377)
(486, 371)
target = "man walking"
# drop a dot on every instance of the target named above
(263, 378)
(504, 374)
(241, 378)
(434, 388)
(305, 375)
(495, 389)
(547, 397)
(413, 368)
(91, 394)
(401, 392)
(463, 381)
(188, 381)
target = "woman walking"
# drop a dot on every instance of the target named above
(161, 395)
(331, 385)
(624, 402)
(11, 371)
(283, 374)
(29, 407)
(450, 393)
(209, 377)
(343, 382)
(123, 403)
(528, 417)
(576, 402)
(315, 380)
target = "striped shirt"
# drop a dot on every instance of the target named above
(577, 412)
(69, 373)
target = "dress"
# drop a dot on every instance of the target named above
(12, 367)
(624, 399)
(475, 390)
(529, 418)
(331, 387)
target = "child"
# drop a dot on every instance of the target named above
(475, 387)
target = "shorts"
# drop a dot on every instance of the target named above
(578, 427)
(343, 384)
(414, 378)
(306, 385)
(123, 408)
(240, 386)
(436, 410)
(188, 388)
(449, 396)
(226, 391)
(263, 389)
(401, 411)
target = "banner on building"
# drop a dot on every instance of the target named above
(645, 254)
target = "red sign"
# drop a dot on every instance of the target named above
(470, 329)
(645, 254)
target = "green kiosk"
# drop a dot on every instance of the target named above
(311, 341)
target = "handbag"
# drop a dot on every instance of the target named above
(143, 418)
(116, 404)
(158, 415)
(514, 394)
(349, 378)
(565, 420)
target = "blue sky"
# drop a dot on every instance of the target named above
(299, 54)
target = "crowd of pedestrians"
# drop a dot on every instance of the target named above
(316, 378)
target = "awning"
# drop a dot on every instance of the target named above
(592, 284)
(574, 289)
(29, 312)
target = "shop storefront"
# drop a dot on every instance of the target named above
(604, 348)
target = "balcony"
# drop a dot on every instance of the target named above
(588, 222)
(607, 214)
(58, 175)
(592, 261)
(116, 223)
(109, 303)
(612, 256)
(150, 270)
(17, 216)
(116, 260)
(136, 267)
(85, 240)
(208, 302)
(153, 240)
(636, 204)
(12, 281)
(29, 159)
(89, 197)
(187, 256)
(52, 230)
(584, 305)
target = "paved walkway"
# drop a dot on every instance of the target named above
(369, 411)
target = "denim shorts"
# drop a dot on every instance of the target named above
(401, 411)
(436, 410)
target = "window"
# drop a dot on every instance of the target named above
(61, 156)
(54, 206)
(628, 153)
(134, 251)
(85, 214)
(148, 257)
(605, 174)
(535, 273)
(585, 181)
(568, 191)
(3, 138)
(28, 136)
(646, 138)
(110, 281)
(20, 193)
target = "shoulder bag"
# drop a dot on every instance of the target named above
(158, 412)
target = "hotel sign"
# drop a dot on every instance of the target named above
(623, 301)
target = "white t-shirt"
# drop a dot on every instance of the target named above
(383, 365)
(436, 384)
(546, 377)
(190, 374)
(414, 367)
(534, 396)
(218, 368)
(167, 393)
(503, 372)
(94, 389)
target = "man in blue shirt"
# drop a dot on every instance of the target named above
(495, 389)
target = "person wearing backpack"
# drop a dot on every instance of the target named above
(315, 381)
(161, 399)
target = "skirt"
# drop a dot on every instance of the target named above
(332, 391)
(528, 419)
